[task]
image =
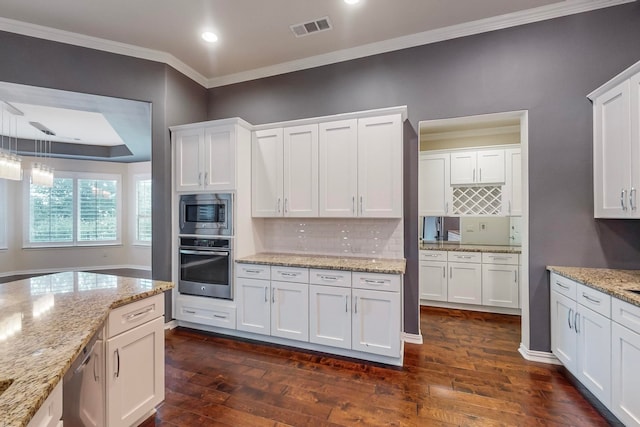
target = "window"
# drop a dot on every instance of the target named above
(79, 209)
(143, 209)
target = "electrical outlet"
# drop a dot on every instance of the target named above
(483, 226)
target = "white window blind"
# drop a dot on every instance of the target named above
(51, 212)
(143, 210)
(98, 210)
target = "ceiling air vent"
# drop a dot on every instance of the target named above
(315, 26)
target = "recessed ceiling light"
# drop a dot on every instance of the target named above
(210, 37)
(351, 1)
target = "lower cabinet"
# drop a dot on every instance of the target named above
(134, 361)
(500, 285)
(625, 354)
(594, 353)
(50, 412)
(433, 280)
(465, 283)
(325, 307)
(564, 344)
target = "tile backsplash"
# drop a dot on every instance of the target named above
(374, 238)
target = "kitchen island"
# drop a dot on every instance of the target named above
(45, 322)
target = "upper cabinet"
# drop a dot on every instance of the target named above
(616, 146)
(435, 198)
(205, 156)
(477, 167)
(343, 168)
(512, 190)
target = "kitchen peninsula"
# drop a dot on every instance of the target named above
(46, 322)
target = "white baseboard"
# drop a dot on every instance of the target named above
(538, 356)
(172, 324)
(412, 338)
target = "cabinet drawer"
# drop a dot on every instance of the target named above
(376, 281)
(433, 255)
(564, 286)
(625, 314)
(595, 300)
(290, 274)
(253, 271)
(499, 258)
(206, 311)
(330, 277)
(457, 256)
(131, 315)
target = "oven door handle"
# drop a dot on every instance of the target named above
(204, 253)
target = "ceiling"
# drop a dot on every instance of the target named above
(255, 39)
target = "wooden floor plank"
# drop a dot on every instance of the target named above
(468, 372)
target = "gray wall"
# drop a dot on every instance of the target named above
(175, 99)
(547, 68)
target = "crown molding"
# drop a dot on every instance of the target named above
(565, 8)
(67, 37)
(557, 10)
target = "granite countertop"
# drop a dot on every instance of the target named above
(613, 282)
(457, 246)
(368, 265)
(45, 322)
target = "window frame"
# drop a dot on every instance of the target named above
(134, 214)
(75, 242)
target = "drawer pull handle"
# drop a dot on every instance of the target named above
(219, 316)
(432, 255)
(141, 313)
(463, 256)
(286, 274)
(576, 319)
(562, 286)
(346, 303)
(500, 257)
(117, 373)
(325, 277)
(266, 297)
(591, 299)
(253, 271)
(375, 282)
(569, 318)
(356, 306)
(190, 312)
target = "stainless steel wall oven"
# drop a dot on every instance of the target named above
(206, 267)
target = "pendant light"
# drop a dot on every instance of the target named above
(41, 174)
(10, 163)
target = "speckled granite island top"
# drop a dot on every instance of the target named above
(613, 282)
(368, 265)
(44, 324)
(453, 246)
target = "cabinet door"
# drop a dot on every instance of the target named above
(594, 353)
(463, 167)
(465, 283)
(253, 308)
(338, 168)
(564, 340)
(266, 173)
(87, 409)
(189, 159)
(490, 167)
(433, 280)
(612, 152)
(635, 146)
(380, 167)
(301, 171)
(290, 310)
(220, 158)
(376, 322)
(625, 381)
(330, 316)
(135, 373)
(434, 185)
(500, 285)
(512, 195)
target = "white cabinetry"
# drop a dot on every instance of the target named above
(500, 280)
(433, 275)
(512, 190)
(465, 277)
(50, 411)
(338, 168)
(625, 354)
(205, 158)
(330, 308)
(616, 146)
(267, 157)
(253, 308)
(206, 311)
(478, 167)
(134, 361)
(435, 197)
(380, 166)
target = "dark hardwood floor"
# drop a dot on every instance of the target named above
(467, 373)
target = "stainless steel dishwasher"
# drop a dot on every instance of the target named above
(84, 387)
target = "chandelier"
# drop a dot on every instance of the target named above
(10, 162)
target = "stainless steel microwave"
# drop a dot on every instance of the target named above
(206, 214)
